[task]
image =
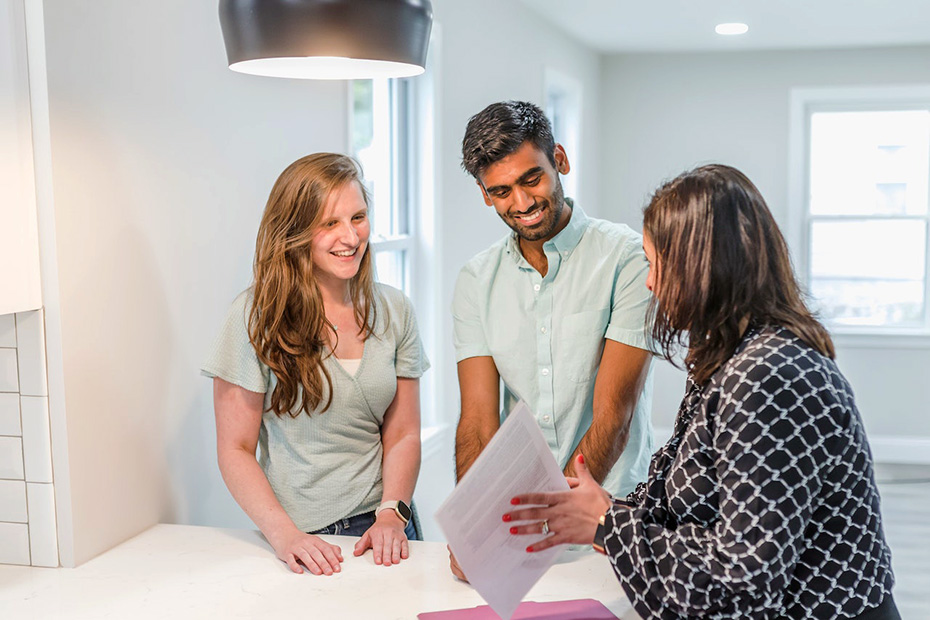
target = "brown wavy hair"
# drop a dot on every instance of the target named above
(288, 327)
(721, 261)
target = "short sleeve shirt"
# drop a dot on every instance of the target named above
(326, 466)
(546, 334)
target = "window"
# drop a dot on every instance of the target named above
(864, 232)
(392, 134)
(563, 108)
(381, 143)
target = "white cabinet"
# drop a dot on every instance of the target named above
(19, 246)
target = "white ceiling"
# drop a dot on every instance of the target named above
(688, 25)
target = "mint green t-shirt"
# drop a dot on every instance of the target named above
(327, 465)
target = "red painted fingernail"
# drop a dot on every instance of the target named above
(513, 530)
(529, 549)
(515, 501)
(506, 517)
(581, 458)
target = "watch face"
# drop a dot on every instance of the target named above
(404, 510)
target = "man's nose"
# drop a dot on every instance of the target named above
(521, 199)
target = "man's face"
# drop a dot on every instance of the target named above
(525, 190)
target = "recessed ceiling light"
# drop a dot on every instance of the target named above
(731, 28)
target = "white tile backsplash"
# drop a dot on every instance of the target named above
(9, 375)
(9, 414)
(13, 501)
(30, 336)
(14, 543)
(7, 331)
(43, 534)
(11, 458)
(37, 443)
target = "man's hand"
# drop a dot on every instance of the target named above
(456, 569)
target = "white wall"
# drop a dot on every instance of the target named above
(162, 160)
(160, 163)
(664, 113)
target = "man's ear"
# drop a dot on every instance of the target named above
(561, 160)
(484, 194)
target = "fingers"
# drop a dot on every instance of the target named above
(527, 514)
(377, 547)
(395, 551)
(572, 481)
(536, 529)
(293, 564)
(456, 569)
(545, 543)
(404, 549)
(537, 499)
(363, 544)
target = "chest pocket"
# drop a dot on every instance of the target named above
(582, 342)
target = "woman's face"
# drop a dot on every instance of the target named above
(339, 243)
(652, 279)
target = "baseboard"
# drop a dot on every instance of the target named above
(885, 448)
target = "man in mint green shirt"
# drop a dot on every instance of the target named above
(556, 311)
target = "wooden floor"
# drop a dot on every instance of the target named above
(905, 491)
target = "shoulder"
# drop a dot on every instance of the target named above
(774, 366)
(487, 260)
(390, 297)
(617, 243)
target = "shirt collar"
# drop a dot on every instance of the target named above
(565, 241)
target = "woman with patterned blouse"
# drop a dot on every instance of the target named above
(763, 503)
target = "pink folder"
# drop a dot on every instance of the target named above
(581, 609)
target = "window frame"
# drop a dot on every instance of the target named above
(804, 103)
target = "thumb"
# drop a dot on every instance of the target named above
(363, 544)
(581, 471)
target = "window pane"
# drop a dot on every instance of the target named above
(389, 269)
(870, 163)
(869, 272)
(371, 145)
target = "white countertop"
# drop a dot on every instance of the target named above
(180, 571)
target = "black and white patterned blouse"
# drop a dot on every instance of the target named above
(763, 504)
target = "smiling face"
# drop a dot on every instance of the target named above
(341, 239)
(525, 190)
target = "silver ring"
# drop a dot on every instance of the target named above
(545, 528)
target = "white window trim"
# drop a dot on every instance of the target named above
(803, 102)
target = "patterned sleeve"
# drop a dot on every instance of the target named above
(775, 434)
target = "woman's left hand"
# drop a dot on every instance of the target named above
(386, 539)
(571, 516)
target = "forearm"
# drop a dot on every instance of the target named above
(250, 488)
(470, 440)
(603, 444)
(400, 467)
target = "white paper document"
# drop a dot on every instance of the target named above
(517, 460)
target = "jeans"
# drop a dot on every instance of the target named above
(358, 525)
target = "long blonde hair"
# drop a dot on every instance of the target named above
(287, 323)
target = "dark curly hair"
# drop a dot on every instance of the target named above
(500, 129)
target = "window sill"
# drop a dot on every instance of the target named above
(890, 339)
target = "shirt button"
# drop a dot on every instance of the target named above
(545, 418)
(535, 287)
(545, 372)
(542, 329)
(565, 254)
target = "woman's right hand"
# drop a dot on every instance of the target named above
(320, 557)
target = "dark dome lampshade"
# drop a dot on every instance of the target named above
(327, 39)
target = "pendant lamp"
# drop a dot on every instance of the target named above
(327, 39)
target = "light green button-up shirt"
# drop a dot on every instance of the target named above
(546, 334)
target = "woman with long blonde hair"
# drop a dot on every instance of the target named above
(318, 366)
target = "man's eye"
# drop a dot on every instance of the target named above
(501, 193)
(533, 181)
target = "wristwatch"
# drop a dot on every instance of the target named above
(599, 534)
(401, 509)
